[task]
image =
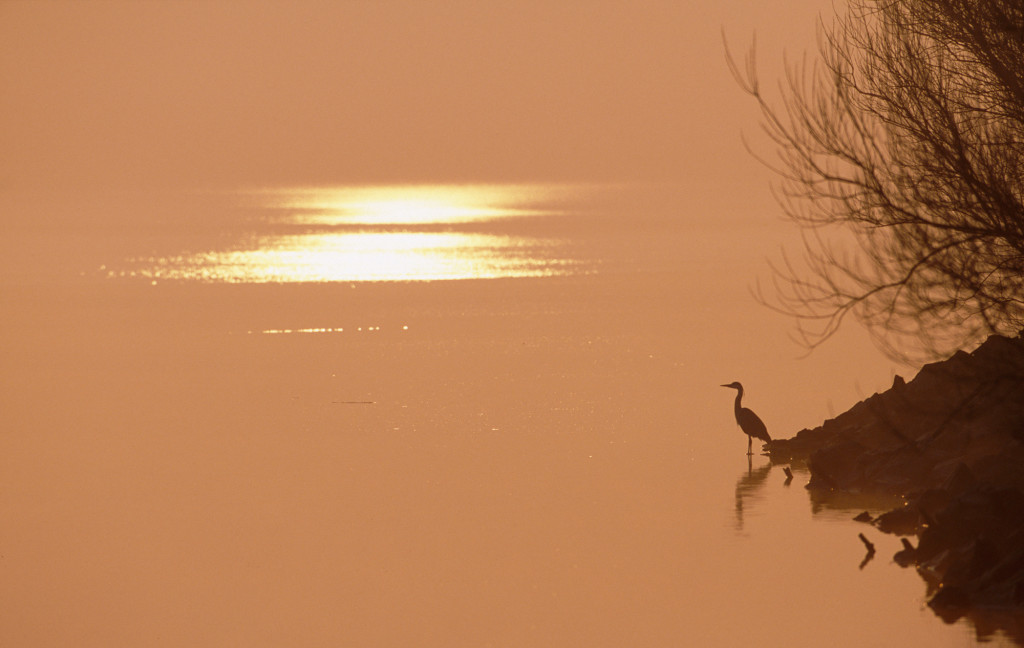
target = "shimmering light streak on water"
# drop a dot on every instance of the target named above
(409, 204)
(368, 234)
(362, 256)
(322, 329)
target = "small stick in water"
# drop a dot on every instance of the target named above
(871, 550)
(789, 475)
(867, 543)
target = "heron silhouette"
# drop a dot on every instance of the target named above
(749, 422)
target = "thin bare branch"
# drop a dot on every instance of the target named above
(905, 138)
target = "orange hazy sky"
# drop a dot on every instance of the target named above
(227, 93)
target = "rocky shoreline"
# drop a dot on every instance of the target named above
(950, 442)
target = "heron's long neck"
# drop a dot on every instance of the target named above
(739, 395)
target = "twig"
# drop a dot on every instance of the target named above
(871, 550)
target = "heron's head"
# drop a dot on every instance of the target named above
(734, 385)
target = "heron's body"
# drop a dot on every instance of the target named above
(749, 422)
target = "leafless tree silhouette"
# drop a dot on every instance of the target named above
(901, 155)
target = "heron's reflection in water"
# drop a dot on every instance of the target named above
(747, 486)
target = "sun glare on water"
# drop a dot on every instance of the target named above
(412, 205)
(355, 234)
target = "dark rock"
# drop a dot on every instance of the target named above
(931, 502)
(950, 603)
(905, 520)
(836, 466)
(960, 480)
(907, 555)
(950, 442)
(800, 447)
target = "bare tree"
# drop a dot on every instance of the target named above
(907, 133)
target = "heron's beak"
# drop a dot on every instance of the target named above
(725, 385)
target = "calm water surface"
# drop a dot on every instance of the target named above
(441, 416)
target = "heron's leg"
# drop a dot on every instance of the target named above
(750, 442)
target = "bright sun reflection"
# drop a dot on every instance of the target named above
(409, 205)
(375, 234)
